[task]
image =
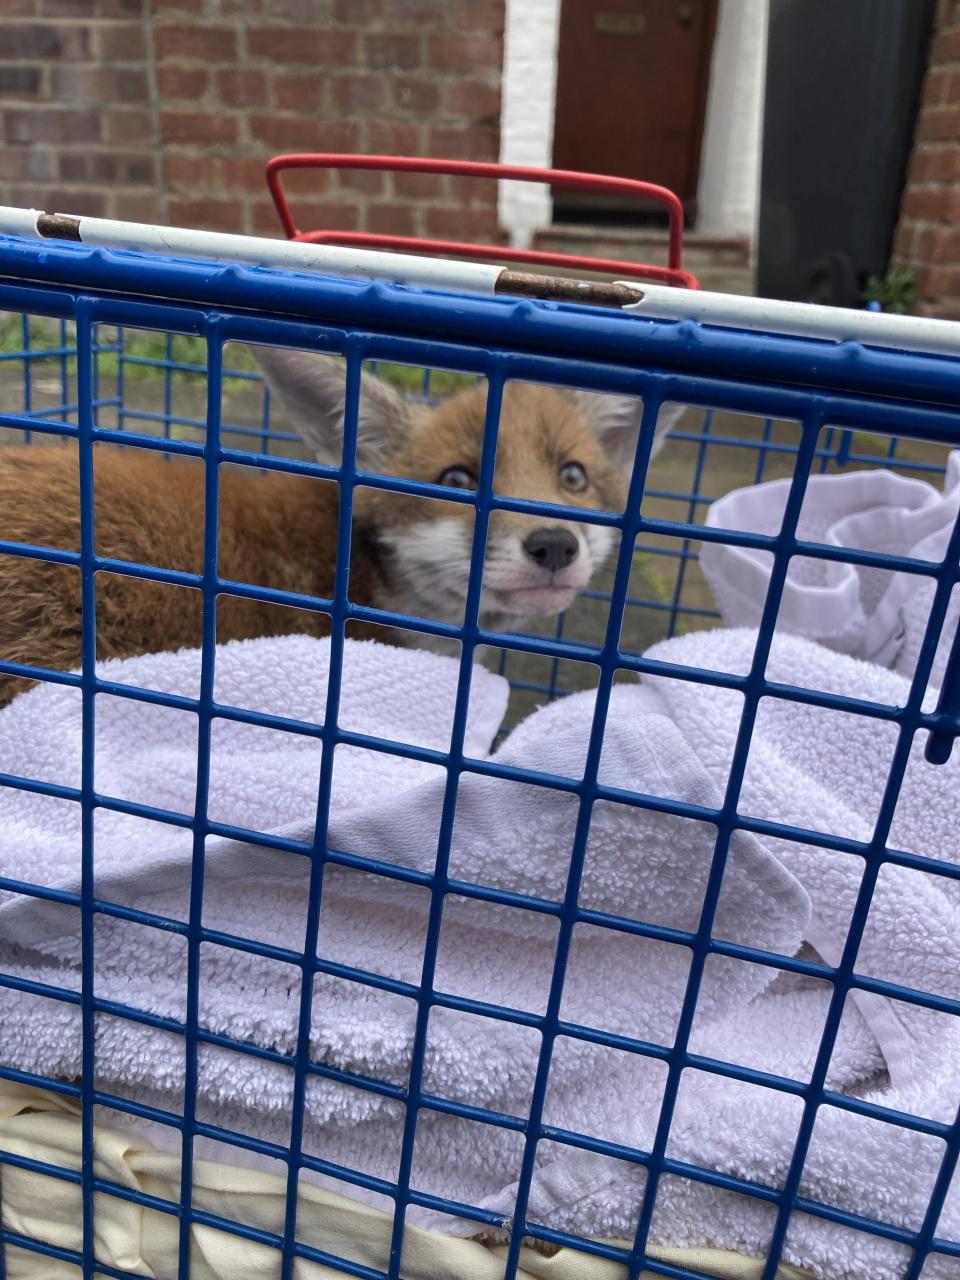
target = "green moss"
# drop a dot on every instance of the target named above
(896, 291)
(657, 577)
(147, 354)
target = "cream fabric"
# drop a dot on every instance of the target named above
(45, 1126)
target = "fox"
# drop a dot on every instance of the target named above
(278, 530)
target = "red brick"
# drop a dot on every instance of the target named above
(110, 168)
(476, 15)
(357, 93)
(88, 85)
(52, 125)
(464, 144)
(262, 219)
(392, 52)
(945, 47)
(421, 186)
(327, 215)
(33, 164)
(195, 43)
(242, 87)
(165, 8)
(917, 166)
(951, 92)
(941, 164)
(206, 213)
(365, 181)
(392, 219)
(303, 92)
(419, 96)
(239, 8)
(57, 200)
(35, 40)
(13, 164)
(939, 282)
(92, 8)
(120, 43)
(934, 87)
(471, 190)
(307, 182)
(290, 133)
(939, 124)
(359, 13)
(197, 128)
(935, 245)
(461, 224)
(309, 217)
(19, 8)
(305, 12)
(464, 53)
(188, 83)
(903, 241)
(190, 173)
(475, 99)
(138, 170)
(405, 13)
(395, 139)
(244, 175)
(306, 46)
(128, 126)
(933, 204)
(19, 82)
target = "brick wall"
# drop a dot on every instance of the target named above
(928, 233)
(77, 128)
(167, 109)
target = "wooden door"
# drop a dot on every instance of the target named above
(631, 90)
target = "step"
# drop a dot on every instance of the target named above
(721, 263)
(639, 243)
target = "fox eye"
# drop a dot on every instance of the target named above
(573, 477)
(458, 478)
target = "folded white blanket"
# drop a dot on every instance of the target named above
(864, 611)
(513, 836)
(826, 771)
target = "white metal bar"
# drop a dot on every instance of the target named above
(798, 319)
(218, 246)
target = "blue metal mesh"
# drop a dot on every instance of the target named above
(760, 406)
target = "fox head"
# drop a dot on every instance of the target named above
(569, 448)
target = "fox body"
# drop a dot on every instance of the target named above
(409, 553)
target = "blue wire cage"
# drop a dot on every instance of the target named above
(113, 348)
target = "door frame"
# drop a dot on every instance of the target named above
(728, 189)
(689, 194)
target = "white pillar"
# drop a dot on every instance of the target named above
(728, 196)
(527, 111)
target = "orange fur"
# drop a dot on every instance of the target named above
(276, 530)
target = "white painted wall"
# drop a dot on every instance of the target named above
(729, 187)
(526, 118)
(728, 196)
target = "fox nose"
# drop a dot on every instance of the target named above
(552, 548)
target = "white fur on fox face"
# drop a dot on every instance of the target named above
(431, 562)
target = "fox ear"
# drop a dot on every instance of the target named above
(313, 389)
(615, 421)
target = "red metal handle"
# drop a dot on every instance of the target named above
(673, 273)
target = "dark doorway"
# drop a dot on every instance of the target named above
(843, 85)
(631, 91)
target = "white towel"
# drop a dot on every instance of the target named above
(825, 771)
(511, 836)
(866, 612)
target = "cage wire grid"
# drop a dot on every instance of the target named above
(830, 390)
